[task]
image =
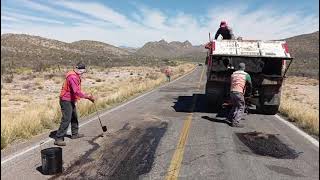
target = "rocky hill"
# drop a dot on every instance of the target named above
(129, 49)
(174, 49)
(20, 50)
(95, 47)
(305, 50)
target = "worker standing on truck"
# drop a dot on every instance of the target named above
(225, 31)
(168, 73)
(69, 95)
(239, 80)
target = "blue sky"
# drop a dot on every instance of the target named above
(133, 23)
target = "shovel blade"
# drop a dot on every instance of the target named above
(104, 128)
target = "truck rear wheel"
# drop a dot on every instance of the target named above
(269, 109)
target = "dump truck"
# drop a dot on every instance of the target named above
(267, 63)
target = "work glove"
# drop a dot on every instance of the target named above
(91, 98)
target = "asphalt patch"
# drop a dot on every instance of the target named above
(267, 145)
(284, 170)
(127, 154)
(140, 158)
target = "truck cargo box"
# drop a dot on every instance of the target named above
(250, 48)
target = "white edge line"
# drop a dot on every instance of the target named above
(25, 151)
(90, 120)
(305, 135)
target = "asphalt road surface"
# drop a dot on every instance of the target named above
(170, 133)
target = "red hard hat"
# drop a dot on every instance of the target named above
(223, 24)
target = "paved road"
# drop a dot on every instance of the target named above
(170, 133)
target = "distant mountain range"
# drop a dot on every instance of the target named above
(169, 50)
(24, 50)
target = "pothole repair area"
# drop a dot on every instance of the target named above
(267, 145)
(127, 154)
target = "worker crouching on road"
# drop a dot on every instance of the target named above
(168, 73)
(239, 79)
(69, 95)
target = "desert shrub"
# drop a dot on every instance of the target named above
(8, 78)
(26, 86)
(27, 77)
(3, 141)
(98, 80)
(152, 76)
(181, 70)
(48, 76)
(57, 81)
(40, 66)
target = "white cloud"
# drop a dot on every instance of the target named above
(266, 23)
(16, 17)
(8, 18)
(105, 24)
(153, 18)
(99, 11)
(51, 10)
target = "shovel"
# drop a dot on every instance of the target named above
(104, 128)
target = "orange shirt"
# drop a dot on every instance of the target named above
(238, 81)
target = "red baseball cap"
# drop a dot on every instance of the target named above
(223, 24)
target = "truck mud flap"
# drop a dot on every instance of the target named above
(274, 100)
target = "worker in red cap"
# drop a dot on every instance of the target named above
(70, 93)
(225, 31)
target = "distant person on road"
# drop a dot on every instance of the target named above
(239, 80)
(69, 95)
(225, 31)
(168, 73)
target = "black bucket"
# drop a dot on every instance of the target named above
(51, 160)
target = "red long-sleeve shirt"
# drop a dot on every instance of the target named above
(75, 92)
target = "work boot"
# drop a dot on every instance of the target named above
(76, 136)
(237, 125)
(59, 142)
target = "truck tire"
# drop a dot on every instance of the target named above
(269, 109)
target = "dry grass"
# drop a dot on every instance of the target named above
(295, 80)
(29, 122)
(300, 103)
(21, 98)
(33, 117)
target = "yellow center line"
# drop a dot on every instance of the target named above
(200, 78)
(175, 164)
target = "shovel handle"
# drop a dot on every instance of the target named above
(97, 113)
